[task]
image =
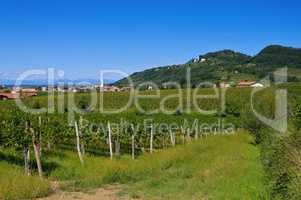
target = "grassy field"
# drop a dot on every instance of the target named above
(15, 185)
(217, 167)
(226, 167)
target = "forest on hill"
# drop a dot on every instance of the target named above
(225, 65)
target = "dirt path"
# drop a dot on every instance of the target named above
(106, 193)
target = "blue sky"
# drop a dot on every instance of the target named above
(83, 37)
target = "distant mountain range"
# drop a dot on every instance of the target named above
(225, 65)
(44, 82)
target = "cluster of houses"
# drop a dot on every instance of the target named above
(30, 92)
(87, 88)
(111, 88)
(18, 92)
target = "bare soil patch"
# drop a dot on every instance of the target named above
(105, 193)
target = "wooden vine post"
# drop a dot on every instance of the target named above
(163, 139)
(26, 154)
(78, 143)
(196, 134)
(82, 145)
(188, 135)
(36, 147)
(40, 134)
(183, 135)
(151, 139)
(132, 130)
(133, 146)
(110, 140)
(172, 137)
(117, 145)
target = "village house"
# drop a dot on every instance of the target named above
(108, 88)
(195, 60)
(224, 85)
(25, 92)
(245, 83)
(18, 92)
(8, 96)
(44, 89)
(126, 89)
(60, 89)
(29, 92)
(257, 85)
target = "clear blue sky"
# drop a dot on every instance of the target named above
(82, 37)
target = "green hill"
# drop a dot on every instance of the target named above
(279, 56)
(226, 65)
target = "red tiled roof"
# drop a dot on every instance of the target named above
(246, 83)
(29, 90)
(8, 96)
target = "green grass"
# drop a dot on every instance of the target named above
(217, 167)
(226, 167)
(15, 185)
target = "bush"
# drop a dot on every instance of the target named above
(281, 160)
(253, 125)
(297, 116)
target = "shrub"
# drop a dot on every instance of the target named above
(281, 160)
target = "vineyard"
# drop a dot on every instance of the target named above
(90, 149)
